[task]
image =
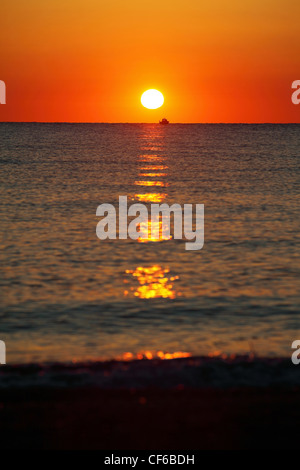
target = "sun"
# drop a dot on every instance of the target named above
(152, 99)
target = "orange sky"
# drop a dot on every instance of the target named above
(89, 61)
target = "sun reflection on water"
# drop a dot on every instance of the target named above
(154, 167)
(150, 197)
(151, 183)
(153, 175)
(146, 232)
(149, 158)
(153, 282)
(150, 355)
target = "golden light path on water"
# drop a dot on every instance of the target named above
(150, 197)
(149, 158)
(128, 356)
(153, 175)
(152, 232)
(153, 282)
(154, 167)
(151, 183)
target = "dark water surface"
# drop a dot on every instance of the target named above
(66, 295)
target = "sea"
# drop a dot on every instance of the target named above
(69, 297)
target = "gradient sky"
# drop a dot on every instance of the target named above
(89, 61)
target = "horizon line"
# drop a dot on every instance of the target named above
(143, 123)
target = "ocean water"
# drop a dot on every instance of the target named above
(68, 296)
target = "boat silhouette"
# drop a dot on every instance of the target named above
(164, 121)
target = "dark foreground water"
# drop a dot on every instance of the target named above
(66, 295)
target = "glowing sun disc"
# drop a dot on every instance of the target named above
(152, 99)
